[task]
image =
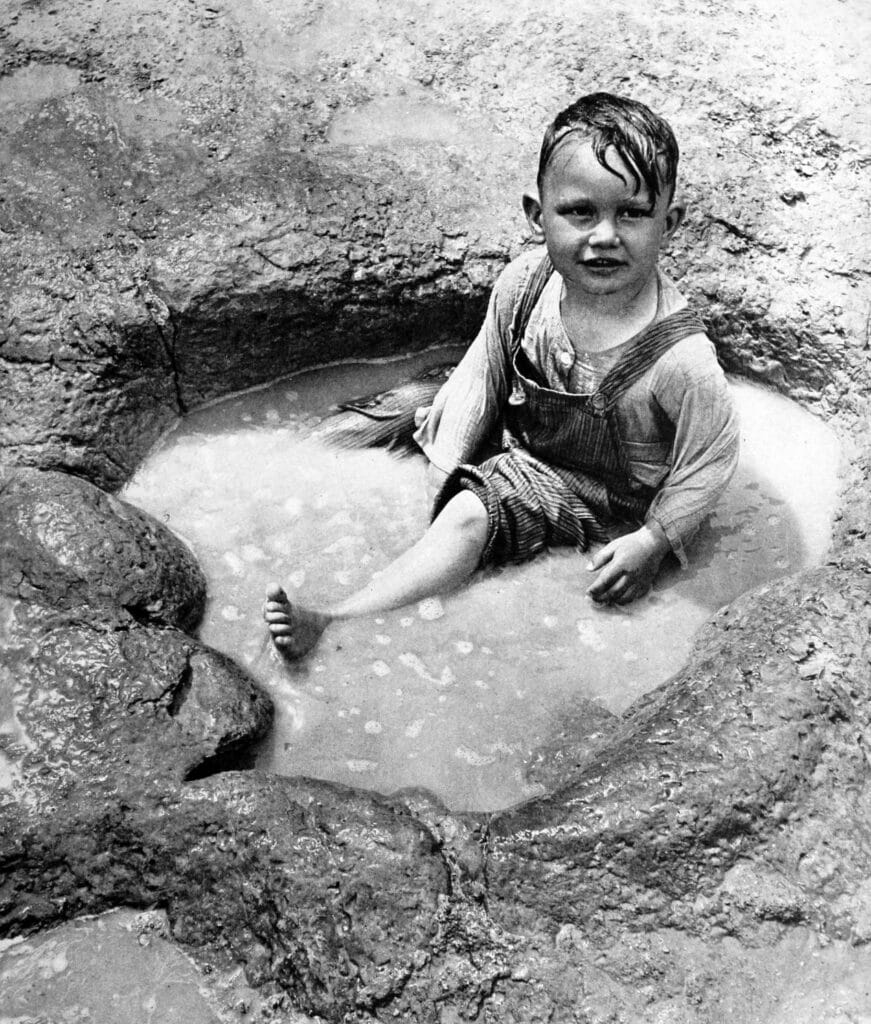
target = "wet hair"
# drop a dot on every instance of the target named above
(643, 140)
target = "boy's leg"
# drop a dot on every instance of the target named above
(446, 555)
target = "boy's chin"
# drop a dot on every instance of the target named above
(605, 282)
(616, 280)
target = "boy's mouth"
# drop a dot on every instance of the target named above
(603, 263)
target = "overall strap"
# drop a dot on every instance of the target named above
(531, 294)
(653, 343)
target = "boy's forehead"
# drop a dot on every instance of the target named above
(574, 164)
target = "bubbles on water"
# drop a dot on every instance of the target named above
(372, 727)
(473, 757)
(237, 566)
(252, 553)
(448, 677)
(431, 609)
(412, 661)
(381, 668)
(590, 636)
(464, 647)
(414, 729)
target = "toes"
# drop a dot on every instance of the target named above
(280, 628)
(275, 592)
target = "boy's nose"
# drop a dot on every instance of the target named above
(604, 233)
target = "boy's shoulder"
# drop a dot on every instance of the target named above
(694, 357)
(516, 274)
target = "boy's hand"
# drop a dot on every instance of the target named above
(628, 565)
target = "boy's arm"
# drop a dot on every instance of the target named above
(695, 396)
(468, 405)
(697, 399)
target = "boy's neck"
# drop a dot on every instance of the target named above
(600, 322)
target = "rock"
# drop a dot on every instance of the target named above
(284, 876)
(100, 704)
(699, 771)
(325, 856)
(65, 543)
(584, 729)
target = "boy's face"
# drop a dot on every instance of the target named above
(604, 239)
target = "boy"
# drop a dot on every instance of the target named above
(617, 424)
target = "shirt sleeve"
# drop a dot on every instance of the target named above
(468, 405)
(697, 400)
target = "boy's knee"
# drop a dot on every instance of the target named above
(467, 514)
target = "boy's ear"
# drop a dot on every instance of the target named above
(673, 219)
(532, 209)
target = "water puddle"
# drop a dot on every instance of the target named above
(456, 693)
(117, 967)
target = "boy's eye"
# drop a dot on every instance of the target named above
(581, 212)
(635, 213)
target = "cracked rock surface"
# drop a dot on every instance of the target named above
(198, 197)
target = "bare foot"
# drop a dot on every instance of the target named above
(295, 630)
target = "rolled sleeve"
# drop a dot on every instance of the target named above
(468, 405)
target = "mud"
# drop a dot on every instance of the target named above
(199, 198)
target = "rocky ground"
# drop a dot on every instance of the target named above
(201, 195)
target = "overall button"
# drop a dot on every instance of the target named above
(599, 403)
(566, 359)
(517, 396)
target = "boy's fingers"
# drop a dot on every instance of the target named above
(613, 595)
(600, 558)
(281, 629)
(608, 579)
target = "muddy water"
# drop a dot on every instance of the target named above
(453, 694)
(120, 966)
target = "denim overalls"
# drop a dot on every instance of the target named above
(580, 432)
